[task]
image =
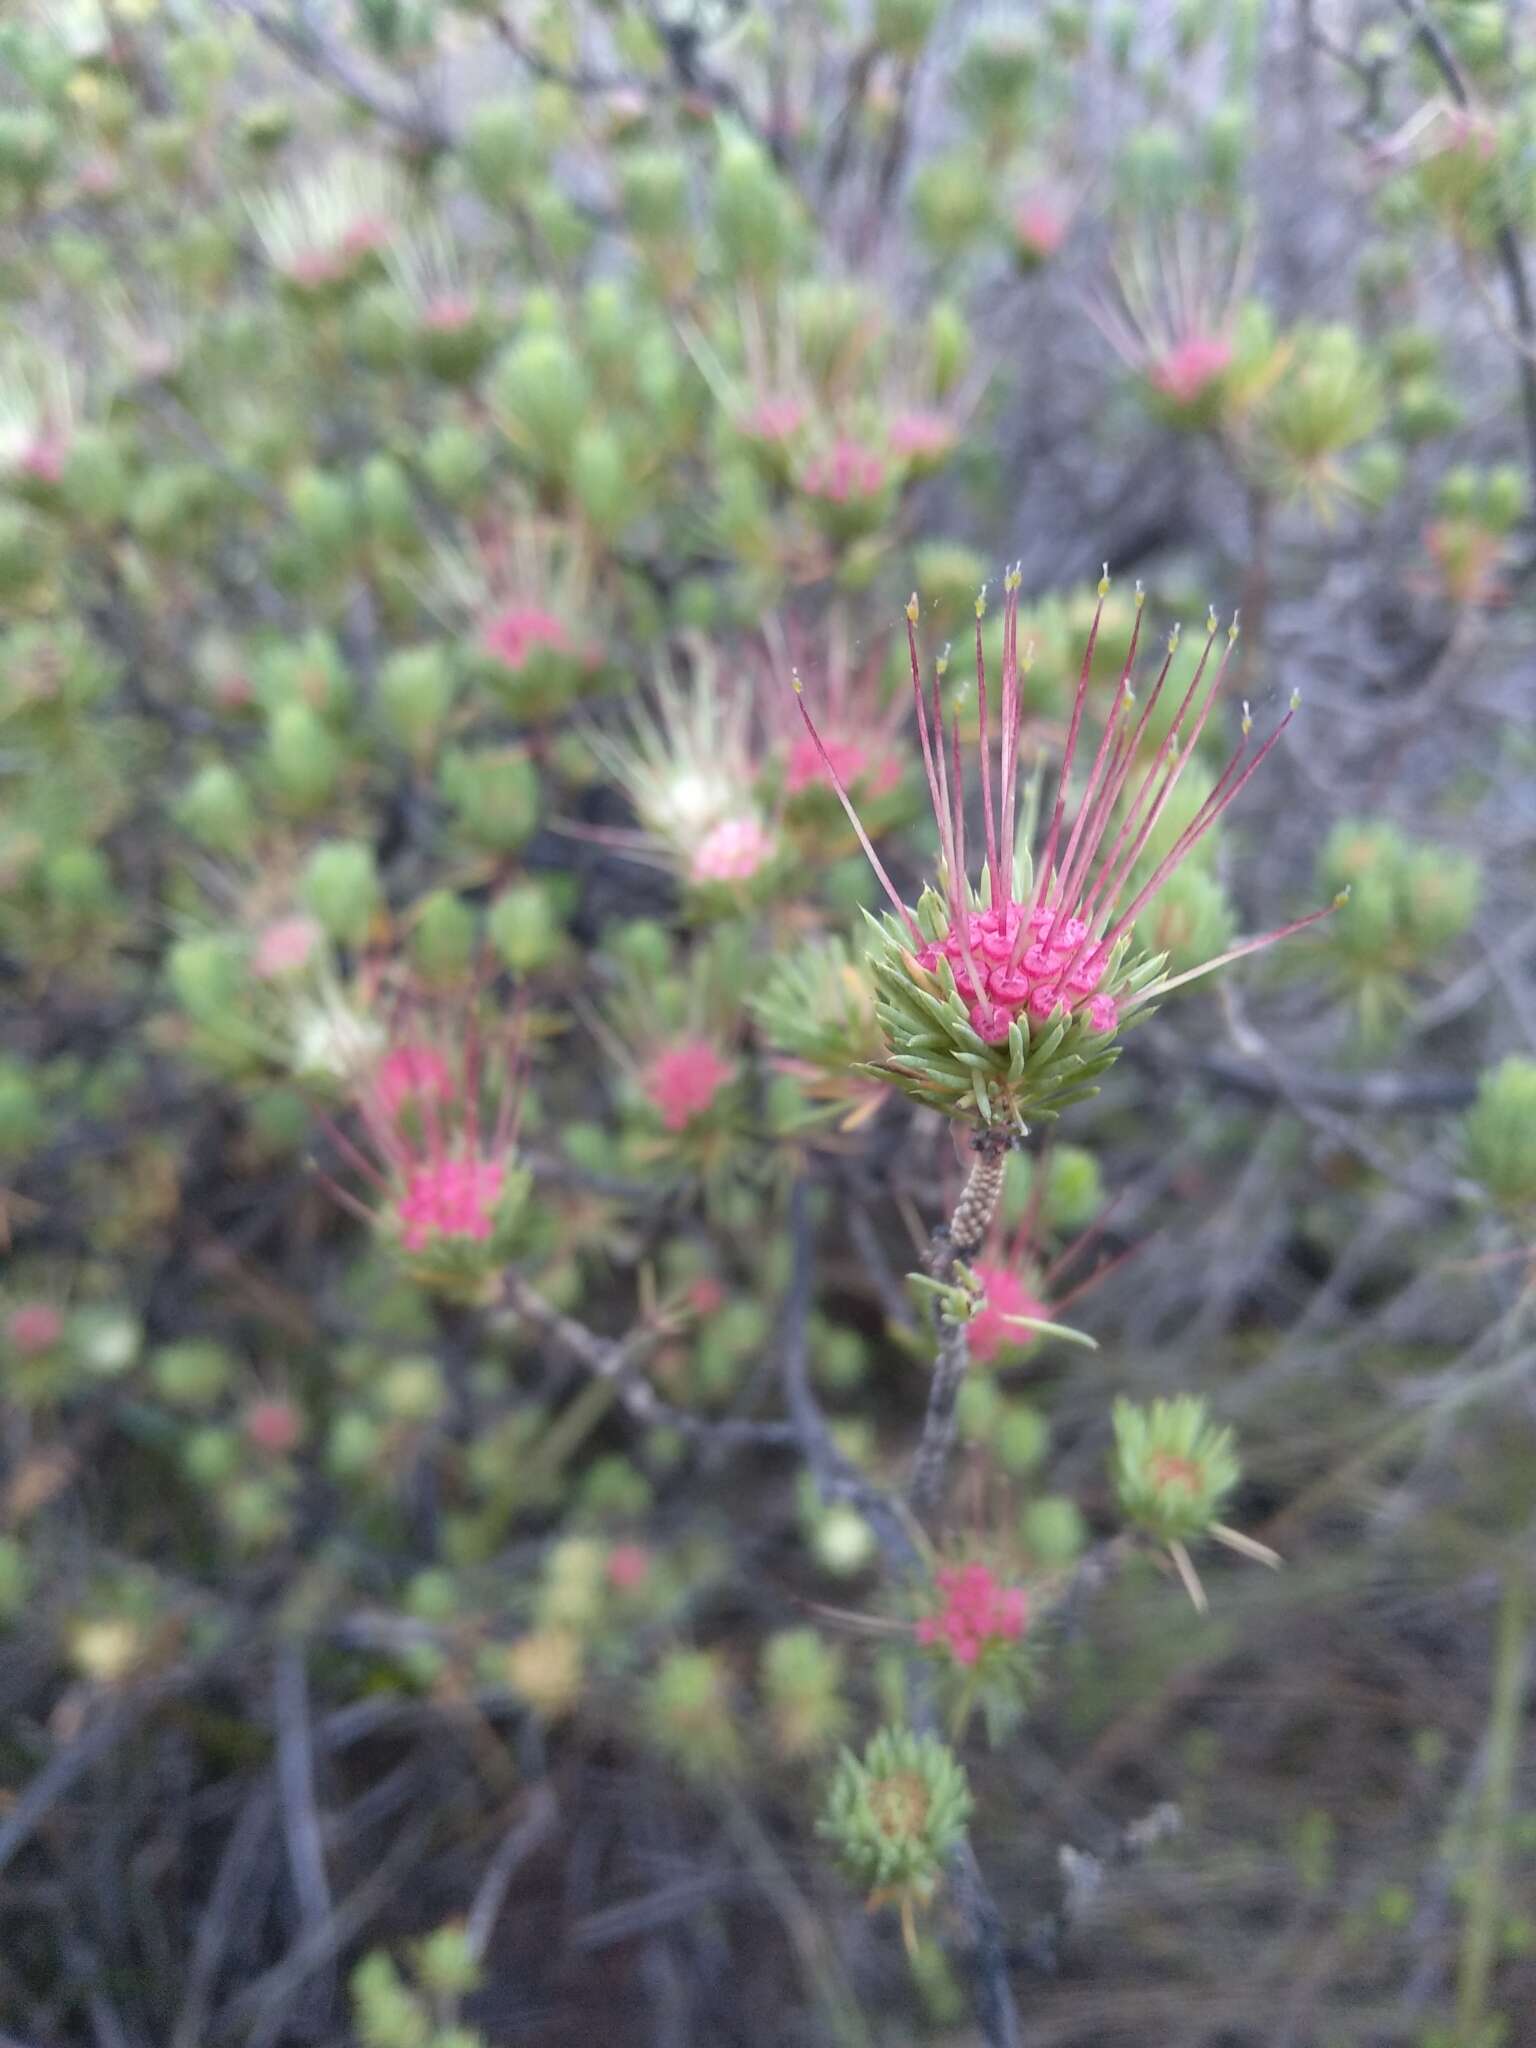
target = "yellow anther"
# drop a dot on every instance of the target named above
(981, 602)
(1104, 582)
(1247, 719)
(1173, 639)
(1295, 700)
(912, 609)
(1210, 618)
(1141, 595)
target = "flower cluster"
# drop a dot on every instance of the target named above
(1005, 1000)
(976, 1613)
(440, 1121)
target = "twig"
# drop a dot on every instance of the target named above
(526, 1834)
(306, 44)
(296, 1787)
(959, 1241)
(617, 1362)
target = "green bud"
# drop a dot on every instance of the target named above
(1171, 1469)
(524, 928)
(445, 1964)
(1051, 1530)
(600, 480)
(802, 1678)
(340, 888)
(388, 506)
(1425, 407)
(902, 27)
(1499, 1134)
(502, 150)
(94, 486)
(443, 937)
(1377, 475)
(356, 1445)
(207, 976)
(455, 460)
(416, 689)
(1504, 498)
(951, 200)
(211, 1455)
(950, 345)
(542, 398)
(323, 511)
(688, 1711)
(895, 1816)
(412, 1390)
(215, 809)
(978, 1407)
(654, 186)
(193, 1374)
(493, 793)
(1021, 1439)
(754, 214)
(77, 883)
(303, 758)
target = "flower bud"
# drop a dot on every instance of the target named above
(902, 27)
(192, 1374)
(455, 459)
(494, 794)
(303, 757)
(323, 511)
(524, 927)
(654, 186)
(754, 212)
(1051, 1531)
(895, 1816)
(502, 150)
(600, 480)
(416, 688)
(208, 976)
(443, 938)
(688, 1711)
(802, 1679)
(94, 485)
(412, 1390)
(340, 888)
(388, 506)
(951, 200)
(542, 399)
(1021, 1439)
(76, 884)
(544, 1668)
(1171, 1469)
(1499, 1134)
(210, 1457)
(215, 809)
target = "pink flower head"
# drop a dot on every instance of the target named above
(33, 1328)
(1048, 956)
(1039, 227)
(44, 460)
(1006, 1296)
(706, 1297)
(806, 770)
(629, 1566)
(449, 313)
(511, 636)
(975, 1613)
(846, 472)
(1191, 368)
(413, 1074)
(449, 1198)
(922, 437)
(285, 946)
(274, 1425)
(444, 1171)
(774, 420)
(683, 1081)
(733, 851)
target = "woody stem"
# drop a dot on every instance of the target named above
(958, 1243)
